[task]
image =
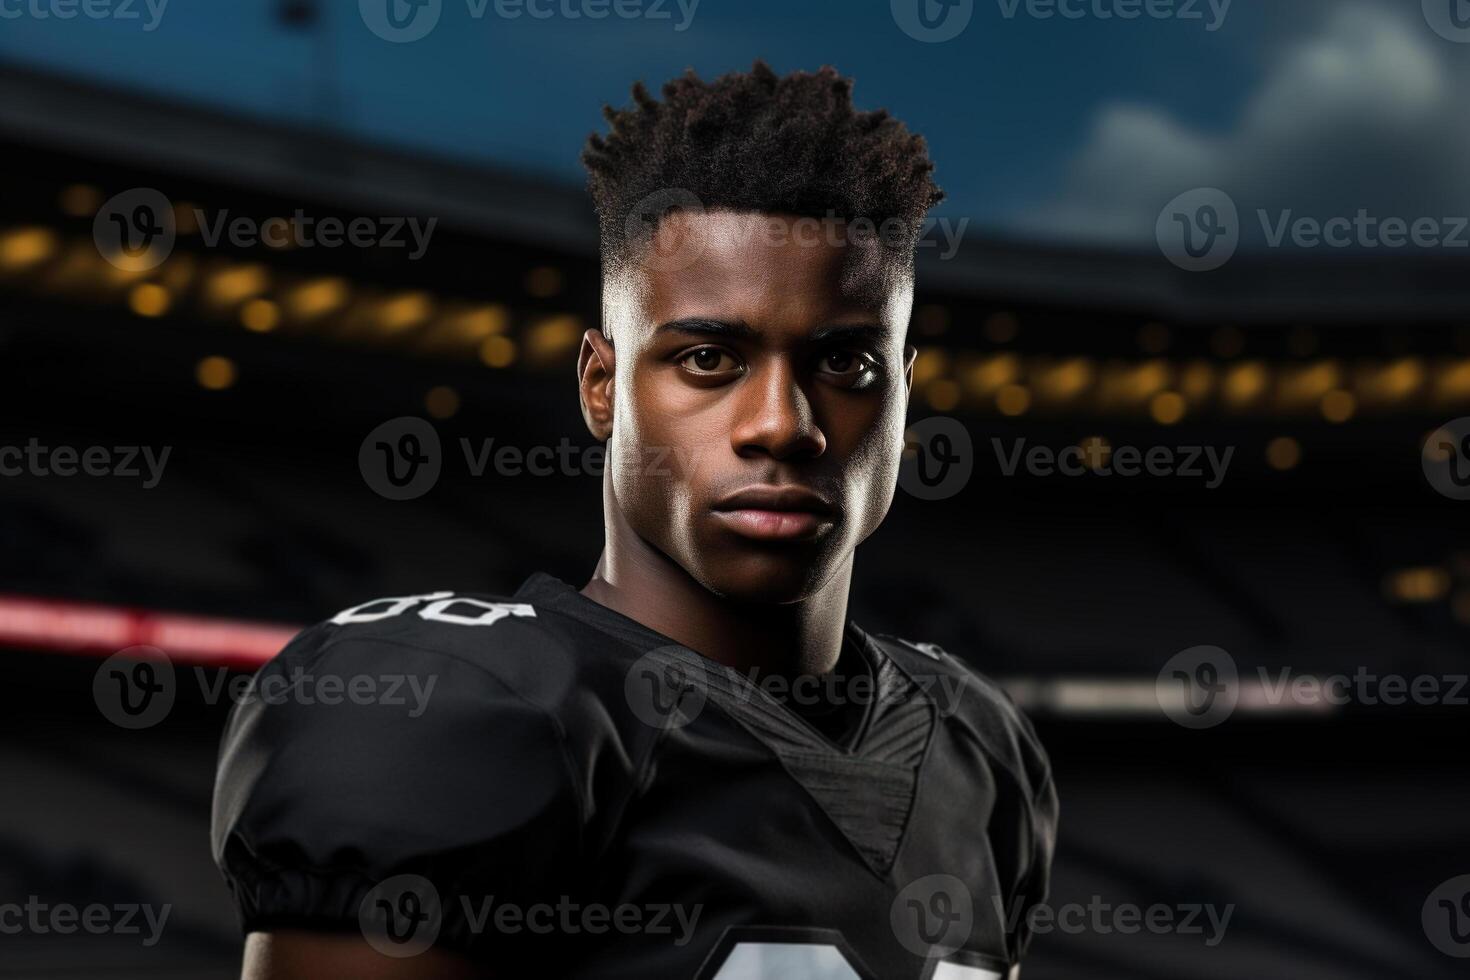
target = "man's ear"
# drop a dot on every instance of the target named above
(595, 383)
(910, 354)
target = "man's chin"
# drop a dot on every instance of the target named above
(774, 578)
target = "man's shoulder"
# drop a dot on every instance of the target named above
(534, 652)
(974, 704)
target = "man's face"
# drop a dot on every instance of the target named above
(758, 399)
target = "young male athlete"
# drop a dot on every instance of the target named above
(695, 766)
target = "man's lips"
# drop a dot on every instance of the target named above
(776, 513)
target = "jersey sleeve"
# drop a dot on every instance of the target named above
(1035, 884)
(355, 758)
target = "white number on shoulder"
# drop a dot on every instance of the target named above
(443, 607)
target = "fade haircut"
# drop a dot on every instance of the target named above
(756, 141)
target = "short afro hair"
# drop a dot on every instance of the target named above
(757, 141)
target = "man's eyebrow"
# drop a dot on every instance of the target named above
(705, 327)
(850, 332)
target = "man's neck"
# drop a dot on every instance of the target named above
(642, 583)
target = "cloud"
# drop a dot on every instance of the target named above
(1364, 114)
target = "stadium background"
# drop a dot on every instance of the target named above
(1324, 550)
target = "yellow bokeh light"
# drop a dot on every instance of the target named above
(1013, 400)
(317, 298)
(1167, 407)
(237, 284)
(402, 312)
(442, 401)
(943, 394)
(1338, 406)
(1424, 584)
(1283, 453)
(1245, 383)
(553, 337)
(260, 315)
(481, 322)
(1197, 381)
(1064, 381)
(498, 351)
(215, 373)
(26, 247)
(990, 374)
(930, 363)
(149, 299)
(80, 200)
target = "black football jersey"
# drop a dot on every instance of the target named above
(555, 790)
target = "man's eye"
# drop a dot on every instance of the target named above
(709, 360)
(846, 365)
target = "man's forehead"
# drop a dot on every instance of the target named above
(771, 268)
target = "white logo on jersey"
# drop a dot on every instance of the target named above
(438, 610)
